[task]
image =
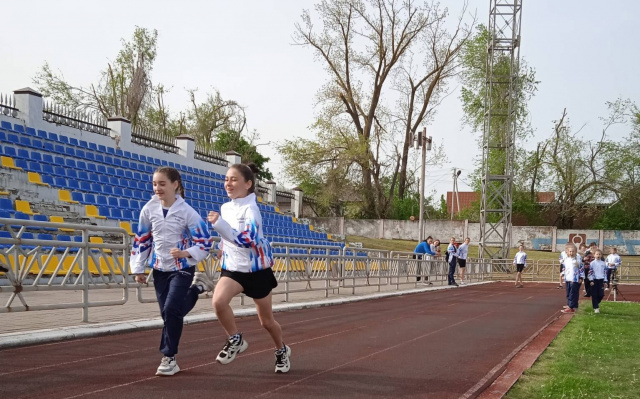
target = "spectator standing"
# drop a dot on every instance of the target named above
(520, 261)
(451, 259)
(613, 261)
(597, 275)
(463, 251)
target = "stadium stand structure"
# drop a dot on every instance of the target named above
(52, 172)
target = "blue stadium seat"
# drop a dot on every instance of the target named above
(114, 181)
(24, 216)
(127, 214)
(120, 172)
(36, 156)
(45, 237)
(63, 139)
(53, 136)
(94, 177)
(110, 170)
(108, 159)
(92, 167)
(96, 187)
(100, 158)
(60, 182)
(48, 179)
(72, 174)
(30, 131)
(123, 203)
(129, 175)
(93, 146)
(103, 210)
(70, 152)
(119, 153)
(132, 184)
(83, 175)
(117, 162)
(35, 167)
(90, 199)
(102, 149)
(58, 149)
(6, 125)
(23, 154)
(115, 213)
(102, 169)
(128, 193)
(125, 164)
(118, 191)
(37, 144)
(104, 179)
(149, 169)
(137, 176)
(80, 154)
(3, 136)
(25, 141)
(135, 156)
(107, 189)
(113, 202)
(7, 205)
(73, 184)
(77, 196)
(73, 141)
(135, 204)
(83, 144)
(102, 200)
(143, 158)
(18, 128)
(48, 147)
(90, 156)
(85, 186)
(22, 163)
(127, 154)
(10, 152)
(111, 150)
(81, 165)
(42, 134)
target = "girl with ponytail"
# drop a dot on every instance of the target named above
(171, 239)
(246, 265)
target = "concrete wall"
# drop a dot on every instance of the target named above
(544, 238)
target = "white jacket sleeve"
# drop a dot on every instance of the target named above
(200, 237)
(248, 236)
(142, 245)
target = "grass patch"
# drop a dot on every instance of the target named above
(594, 356)
(409, 246)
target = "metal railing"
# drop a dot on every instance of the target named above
(8, 105)
(158, 140)
(64, 116)
(205, 154)
(32, 264)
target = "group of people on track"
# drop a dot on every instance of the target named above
(429, 249)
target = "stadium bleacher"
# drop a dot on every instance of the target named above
(113, 184)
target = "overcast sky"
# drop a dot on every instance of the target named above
(584, 53)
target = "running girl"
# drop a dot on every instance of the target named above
(172, 239)
(520, 261)
(246, 265)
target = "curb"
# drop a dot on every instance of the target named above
(18, 339)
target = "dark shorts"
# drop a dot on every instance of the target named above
(256, 285)
(462, 262)
(520, 267)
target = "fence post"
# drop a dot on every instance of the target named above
(29, 104)
(120, 131)
(287, 273)
(186, 146)
(85, 276)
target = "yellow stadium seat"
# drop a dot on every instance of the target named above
(277, 209)
(24, 207)
(65, 196)
(328, 236)
(127, 227)
(36, 179)
(59, 219)
(92, 212)
(3, 192)
(294, 220)
(311, 227)
(7, 162)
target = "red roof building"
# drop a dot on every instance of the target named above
(466, 198)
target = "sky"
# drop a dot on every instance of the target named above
(584, 54)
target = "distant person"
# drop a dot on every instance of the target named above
(520, 261)
(436, 248)
(597, 275)
(451, 259)
(586, 260)
(563, 256)
(463, 251)
(613, 261)
(423, 251)
(573, 277)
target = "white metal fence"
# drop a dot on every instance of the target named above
(31, 262)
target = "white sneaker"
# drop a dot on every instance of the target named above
(596, 310)
(283, 363)
(168, 366)
(461, 282)
(203, 281)
(235, 344)
(606, 289)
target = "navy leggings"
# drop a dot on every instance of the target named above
(176, 298)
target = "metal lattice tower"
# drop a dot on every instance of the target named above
(501, 92)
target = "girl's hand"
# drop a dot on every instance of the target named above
(179, 254)
(140, 278)
(213, 217)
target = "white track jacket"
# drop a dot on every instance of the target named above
(244, 248)
(182, 228)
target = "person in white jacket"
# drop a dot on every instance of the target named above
(246, 265)
(520, 260)
(598, 276)
(613, 261)
(171, 239)
(463, 251)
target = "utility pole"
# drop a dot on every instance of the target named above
(421, 140)
(455, 199)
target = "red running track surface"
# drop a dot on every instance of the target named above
(438, 344)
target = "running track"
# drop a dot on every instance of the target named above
(439, 344)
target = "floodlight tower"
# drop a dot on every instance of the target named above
(501, 96)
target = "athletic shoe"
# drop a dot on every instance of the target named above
(568, 310)
(168, 366)
(606, 289)
(559, 287)
(565, 307)
(235, 344)
(462, 282)
(454, 284)
(283, 364)
(203, 281)
(596, 310)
